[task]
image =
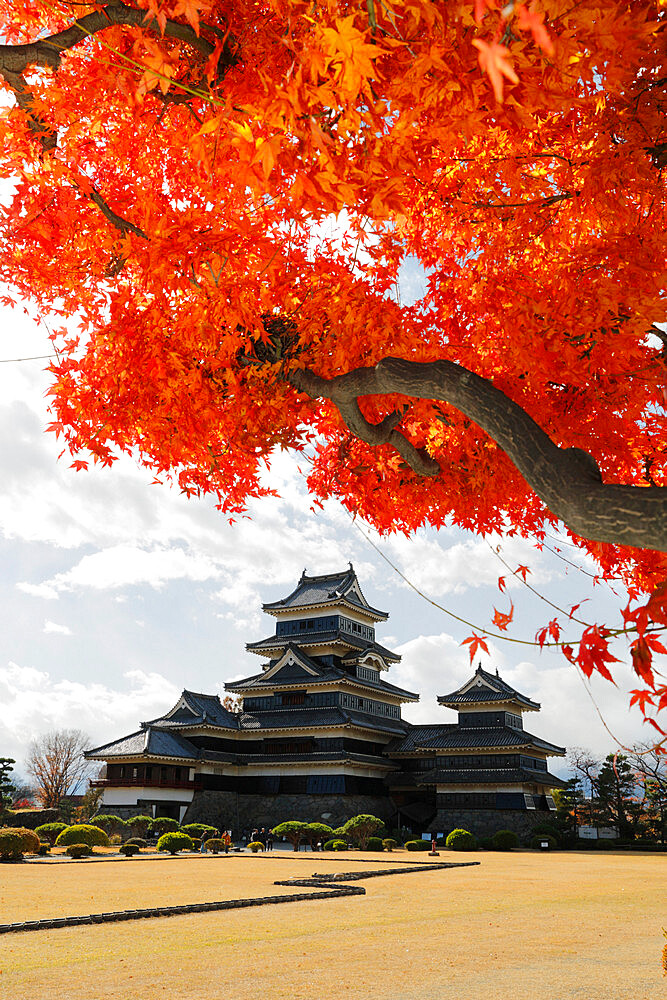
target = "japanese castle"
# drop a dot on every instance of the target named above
(318, 736)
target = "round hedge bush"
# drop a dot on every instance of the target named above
(335, 845)
(164, 824)
(140, 824)
(389, 844)
(200, 831)
(418, 845)
(174, 841)
(44, 847)
(504, 840)
(461, 840)
(79, 850)
(256, 845)
(539, 839)
(82, 833)
(109, 823)
(11, 845)
(214, 845)
(49, 831)
(29, 838)
(375, 844)
(137, 841)
(129, 850)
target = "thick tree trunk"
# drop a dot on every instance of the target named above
(567, 480)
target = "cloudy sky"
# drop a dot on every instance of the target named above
(117, 593)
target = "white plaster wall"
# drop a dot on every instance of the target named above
(128, 795)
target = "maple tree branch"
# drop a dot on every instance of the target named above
(567, 480)
(46, 51)
(116, 220)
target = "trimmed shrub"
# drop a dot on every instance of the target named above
(82, 833)
(486, 843)
(49, 831)
(129, 849)
(214, 845)
(44, 847)
(293, 830)
(374, 844)
(335, 845)
(461, 840)
(389, 844)
(539, 839)
(504, 840)
(163, 824)
(174, 841)
(109, 823)
(199, 830)
(256, 845)
(137, 842)
(115, 839)
(11, 844)
(315, 832)
(29, 839)
(196, 843)
(418, 845)
(360, 828)
(79, 851)
(549, 828)
(139, 824)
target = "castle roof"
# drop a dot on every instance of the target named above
(149, 742)
(488, 776)
(318, 718)
(326, 591)
(453, 737)
(295, 667)
(485, 688)
(332, 637)
(194, 709)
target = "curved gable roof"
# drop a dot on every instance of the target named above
(484, 687)
(330, 588)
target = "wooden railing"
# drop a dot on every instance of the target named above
(141, 782)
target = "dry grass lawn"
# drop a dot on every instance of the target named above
(521, 926)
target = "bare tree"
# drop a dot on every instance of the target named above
(56, 762)
(650, 766)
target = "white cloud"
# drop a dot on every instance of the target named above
(457, 566)
(34, 702)
(51, 627)
(127, 565)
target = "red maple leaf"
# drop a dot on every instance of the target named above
(476, 642)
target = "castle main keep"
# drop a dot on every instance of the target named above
(320, 737)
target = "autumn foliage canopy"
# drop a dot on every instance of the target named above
(224, 199)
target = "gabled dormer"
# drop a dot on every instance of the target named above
(324, 593)
(195, 710)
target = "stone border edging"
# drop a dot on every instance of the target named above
(320, 882)
(325, 879)
(169, 911)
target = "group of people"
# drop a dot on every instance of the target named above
(264, 836)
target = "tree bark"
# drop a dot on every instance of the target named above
(567, 480)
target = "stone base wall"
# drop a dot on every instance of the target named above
(485, 822)
(227, 810)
